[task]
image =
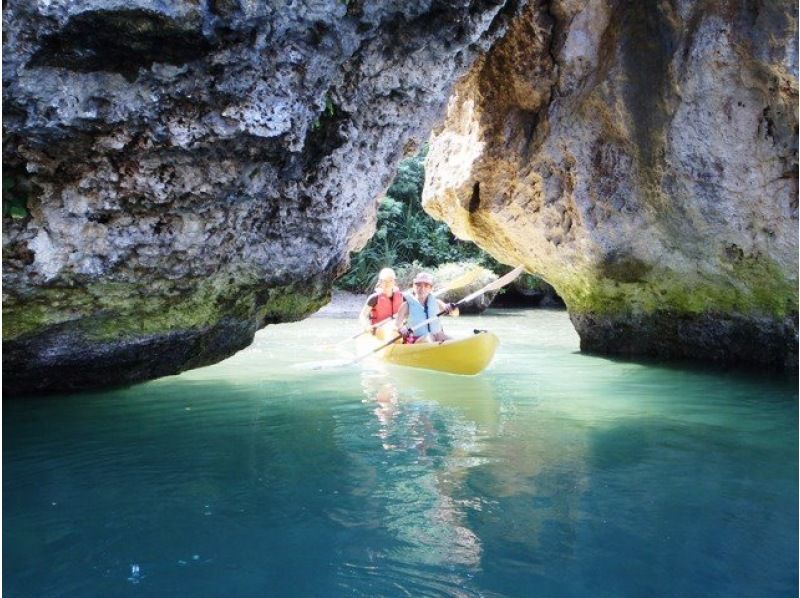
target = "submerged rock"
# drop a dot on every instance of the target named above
(642, 158)
(183, 173)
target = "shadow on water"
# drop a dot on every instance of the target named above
(638, 488)
(510, 312)
(745, 373)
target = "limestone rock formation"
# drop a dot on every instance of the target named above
(642, 158)
(178, 174)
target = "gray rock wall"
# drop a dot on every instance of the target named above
(191, 171)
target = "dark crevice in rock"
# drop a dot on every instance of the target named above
(529, 124)
(323, 137)
(225, 8)
(475, 200)
(555, 43)
(649, 42)
(19, 192)
(120, 41)
(769, 124)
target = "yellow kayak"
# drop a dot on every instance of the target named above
(466, 356)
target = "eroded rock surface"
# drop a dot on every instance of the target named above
(186, 172)
(642, 158)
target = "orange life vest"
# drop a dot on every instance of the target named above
(385, 307)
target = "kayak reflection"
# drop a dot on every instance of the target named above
(471, 398)
(431, 428)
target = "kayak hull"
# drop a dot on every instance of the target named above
(465, 356)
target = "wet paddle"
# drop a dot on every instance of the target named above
(492, 286)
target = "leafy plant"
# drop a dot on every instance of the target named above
(327, 113)
(405, 234)
(15, 197)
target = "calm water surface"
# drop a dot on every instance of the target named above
(551, 474)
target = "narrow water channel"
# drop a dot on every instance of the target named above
(551, 474)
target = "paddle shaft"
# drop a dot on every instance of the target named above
(398, 337)
(377, 325)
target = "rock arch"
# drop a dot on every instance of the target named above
(163, 209)
(625, 152)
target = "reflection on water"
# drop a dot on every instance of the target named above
(552, 473)
(437, 445)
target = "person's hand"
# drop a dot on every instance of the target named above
(450, 308)
(404, 331)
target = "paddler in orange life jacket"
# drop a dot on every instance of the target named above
(382, 305)
(422, 305)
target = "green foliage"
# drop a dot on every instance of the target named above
(15, 197)
(327, 113)
(405, 234)
(529, 282)
(330, 109)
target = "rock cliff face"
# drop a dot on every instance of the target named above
(642, 158)
(178, 174)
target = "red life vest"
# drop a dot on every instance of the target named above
(385, 307)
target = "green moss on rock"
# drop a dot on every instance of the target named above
(753, 286)
(116, 310)
(287, 304)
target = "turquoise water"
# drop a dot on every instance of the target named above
(551, 474)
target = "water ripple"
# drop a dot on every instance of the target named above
(553, 473)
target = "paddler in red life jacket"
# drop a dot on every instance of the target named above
(382, 306)
(421, 305)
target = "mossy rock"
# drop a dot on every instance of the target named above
(112, 333)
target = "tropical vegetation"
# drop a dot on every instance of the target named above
(406, 237)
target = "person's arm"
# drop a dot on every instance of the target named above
(400, 318)
(366, 312)
(451, 309)
(363, 317)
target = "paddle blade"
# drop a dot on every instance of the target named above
(327, 364)
(497, 284)
(461, 281)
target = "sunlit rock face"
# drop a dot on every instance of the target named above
(185, 172)
(642, 158)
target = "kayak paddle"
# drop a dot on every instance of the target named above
(492, 286)
(460, 281)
